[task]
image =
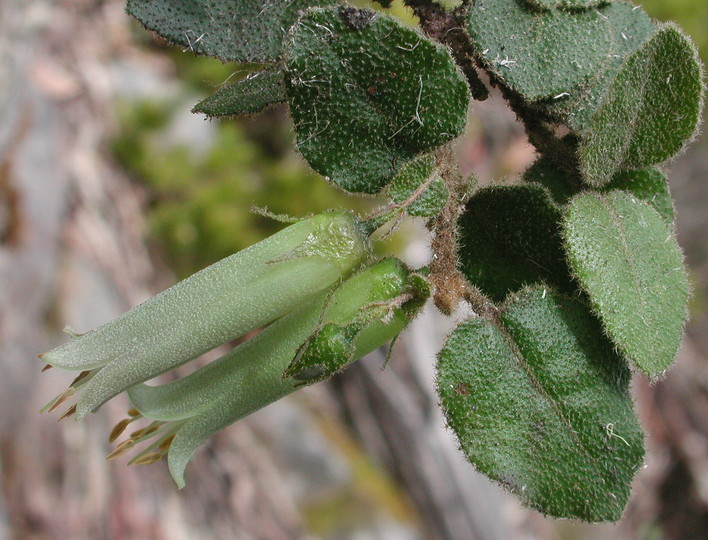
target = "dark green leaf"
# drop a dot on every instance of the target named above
(540, 404)
(238, 30)
(510, 237)
(418, 180)
(538, 53)
(629, 27)
(367, 94)
(248, 96)
(627, 260)
(651, 110)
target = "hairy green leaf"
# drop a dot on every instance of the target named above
(418, 180)
(540, 403)
(367, 94)
(538, 53)
(247, 96)
(629, 27)
(651, 110)
(627, 260)
(649, 185)
(566, 4)
(239, 30)
(510, 237)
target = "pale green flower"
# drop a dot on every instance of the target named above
(295, 283)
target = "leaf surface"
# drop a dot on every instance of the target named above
(629, 27)
(238, 30)
(628, 261)
(510, 237)
(651, 111)
(368, 94)
(538, 53)
(540, 403)
(566, 4)
(247, 96)
(418, 179)
(649, 185)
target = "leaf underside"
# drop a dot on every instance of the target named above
(239, 30)
(540, 404)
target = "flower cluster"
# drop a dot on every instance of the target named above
(298, 282)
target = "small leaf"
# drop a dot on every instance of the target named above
(248, 96)
(629, 27)
(627, 260)
(418, 180)
(540, 403)
(239, 30)
(651, 111)
(648, 185)
(566, 4)
(509, 237)
(368, 94)
(538, 53)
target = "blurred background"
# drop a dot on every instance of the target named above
(110, 190)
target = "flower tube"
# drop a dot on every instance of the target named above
(369, 309)
(214, 306)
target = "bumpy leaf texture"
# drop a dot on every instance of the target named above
(418, 179)
(651, 110)
(510, 237)
(539, 402)
(239, 30)
(247, 96)
(368, 94)
(566, 4)
(627, 260)
(560, 183)
(539, 54)
(649, 185)
(628, 27)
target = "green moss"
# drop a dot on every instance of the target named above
(200, 203)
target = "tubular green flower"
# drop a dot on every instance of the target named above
(214, 306)
(370, 308)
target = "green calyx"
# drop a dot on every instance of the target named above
(374, 305)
